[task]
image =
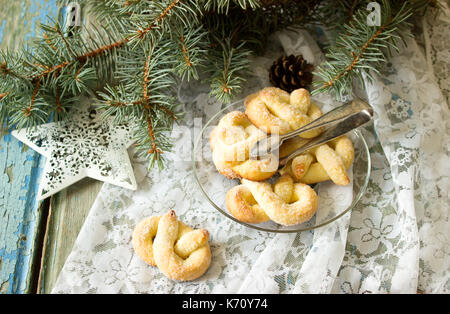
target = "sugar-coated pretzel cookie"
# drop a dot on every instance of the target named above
(277, 112)
(181, 253)
(243, 206)
(231, 141)
(190, 249)
(142, 239)
(285, 202)
(329, 161)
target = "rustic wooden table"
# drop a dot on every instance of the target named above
(35, 237)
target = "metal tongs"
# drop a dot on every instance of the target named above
(336, 122)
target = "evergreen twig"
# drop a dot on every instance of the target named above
(361, 49)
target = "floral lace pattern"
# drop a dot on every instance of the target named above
(436, 25)
(395, 240)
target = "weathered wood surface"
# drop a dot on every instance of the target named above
(35, 237)
(20, 213)
(68, 210)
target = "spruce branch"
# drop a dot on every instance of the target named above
(228, 61)
(224, 6)
(361, 49)
(191, 52)
(145, 98)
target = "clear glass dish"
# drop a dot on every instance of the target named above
(214, 186)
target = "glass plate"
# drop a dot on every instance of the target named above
(215, 186)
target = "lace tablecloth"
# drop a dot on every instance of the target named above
(396, 240)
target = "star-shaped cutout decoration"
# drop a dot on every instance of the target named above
(86, 145)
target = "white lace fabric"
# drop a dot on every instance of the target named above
(396, 240)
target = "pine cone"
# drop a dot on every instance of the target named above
(291, 72)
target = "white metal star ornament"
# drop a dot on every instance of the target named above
(84, 146)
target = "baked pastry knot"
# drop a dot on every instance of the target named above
(329, 161)
(180, 252)
(277, 112)
(284, 202)
(231, 141)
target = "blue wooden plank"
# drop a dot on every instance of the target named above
(20, 167)
(19, 216)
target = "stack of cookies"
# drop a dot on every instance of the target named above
(290, 200)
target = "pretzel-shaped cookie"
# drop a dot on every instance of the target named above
(142, 239)
(231, 141)
(286, 202)
(180, 252)
(329, 161)
(277, 112)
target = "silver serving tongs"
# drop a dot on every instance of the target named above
(336, 122)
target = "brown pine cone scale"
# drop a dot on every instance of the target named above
(291, 72)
